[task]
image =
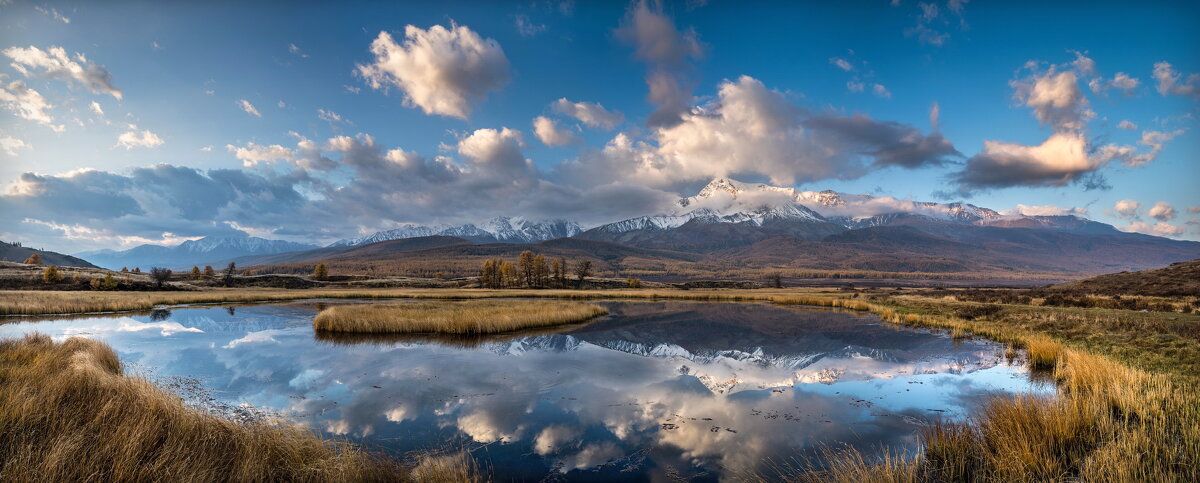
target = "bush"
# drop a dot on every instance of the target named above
(633, 282)
(34, 259)
(105, 284)
(51, 275)
(160, 275)
(320, 273)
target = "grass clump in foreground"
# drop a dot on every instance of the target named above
(67, 413)
(470, 317)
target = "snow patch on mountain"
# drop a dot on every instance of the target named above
(500, 229)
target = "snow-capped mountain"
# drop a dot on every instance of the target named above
(202, 251)
(500, 229)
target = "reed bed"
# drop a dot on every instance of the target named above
(67, 413)
(1110, 422)
(473, 317)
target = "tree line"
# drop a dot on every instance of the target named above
(533, 271)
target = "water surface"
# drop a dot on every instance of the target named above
(655, 391)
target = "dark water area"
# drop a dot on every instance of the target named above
(654, 391)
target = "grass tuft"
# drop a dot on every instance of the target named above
(67, 413)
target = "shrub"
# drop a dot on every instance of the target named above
(320, 273)
(633, 282)
(160, 275)
(34, 259)
(105, 284)
(196, 273)
(51, 275)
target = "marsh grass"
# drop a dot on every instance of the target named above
(1109, 422)
(468, 317)
(68, 413)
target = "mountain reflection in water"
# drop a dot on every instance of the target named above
(655, 390)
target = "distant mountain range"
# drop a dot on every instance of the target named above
(727, 225)
(501, 229)
(207, 250)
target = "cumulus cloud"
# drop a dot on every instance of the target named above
(1127, 125)
(591, 114)
(442, 71)
(134, 139)
(331, 117)
(54, 63)
(750, 130)
(95, 107)
(27, 103)
(881, 91)
(1171, 82)
(1055, 98)
(248, 107)
(1161, 228)
(1046, 210)
(1060, 159)
(551, 135)
(1122, 82)
(667, 52)
(1162, 211)
(1127, 208)
(1130, 155)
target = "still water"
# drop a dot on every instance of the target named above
(654, 391)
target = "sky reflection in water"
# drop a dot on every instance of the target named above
(657, 389)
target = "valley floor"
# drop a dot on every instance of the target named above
(1128, 409)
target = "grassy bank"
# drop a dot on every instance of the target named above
(1110, 422)
(34, 302)
(473, 317)
(67, 413)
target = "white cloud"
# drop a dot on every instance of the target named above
(1060, 159)
(9, 145)
(551, 135)
(54, 63)
(1127, 125)
(248, 107)
(855, 86)
(281, 104)
(526, 27)
(442, 71)
(295, 50)
(1129, 155)
(134, 139)
(53, 13)
(253, 154)
(1055, 98)
(1046, 210)
(207, 149)
(1161, 228)
(881, 91)
(1169, 81)
(590, 113)
(841, 63)
(95, 107)
(331, 116)
(1122, 82)
(27, 103)
(1162, 211)
(1127, 208)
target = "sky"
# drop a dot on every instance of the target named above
(123, 123)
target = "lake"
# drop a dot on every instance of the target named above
(653, 391)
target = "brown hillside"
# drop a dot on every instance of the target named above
(1178, 279)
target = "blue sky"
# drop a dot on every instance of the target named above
(817, 96)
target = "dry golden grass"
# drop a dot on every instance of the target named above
(36, 302)
(67, 413)
(472, 317)
(1110, 422)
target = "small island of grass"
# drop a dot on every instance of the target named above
(468, 317)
